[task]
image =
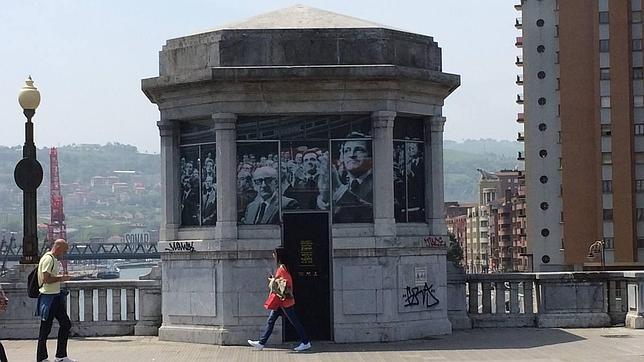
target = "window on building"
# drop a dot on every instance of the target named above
(636, 45)
(604, 73)
(557, 57)
(607, 214)
(558, 86)
(607, 158)
(639, 185)
(484, 234)
(604, 46)
(607, 186)
(639, 214)
(638, 72)
(603, 17)
(556, 31)
(605, 102)
(636, 17)
(639, 129)
(638, 101)
(484, 223)
(639, 158)
(640, 243)
(609, 243)
(606, 129)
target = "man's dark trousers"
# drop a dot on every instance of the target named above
(58, 310)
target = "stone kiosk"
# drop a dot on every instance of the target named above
(319, 132)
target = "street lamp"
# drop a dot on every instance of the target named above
(597, 248)
(28, 174)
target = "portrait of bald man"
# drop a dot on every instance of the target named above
(265, 208)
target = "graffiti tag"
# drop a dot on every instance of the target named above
(420, 296)
(181, 246)
(434, 241)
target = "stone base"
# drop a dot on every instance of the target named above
(228, 336)
(634, 321)
(459, 320)
(573, 320)
(391, 331)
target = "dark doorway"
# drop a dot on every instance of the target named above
(306, 237)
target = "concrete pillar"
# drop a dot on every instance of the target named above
(434, 198)
(170, 188)
(383, 173)
(226, 163)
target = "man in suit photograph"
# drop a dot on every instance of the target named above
(306, 189)
(189, 201)
(265, 208)
(209, 202)
(353, 199)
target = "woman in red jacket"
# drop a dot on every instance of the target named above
(282, 307)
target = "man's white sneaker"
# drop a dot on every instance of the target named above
(258, 346)
(65, 359)
(302, 347)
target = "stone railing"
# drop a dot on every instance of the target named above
(501, 300)
(567, 299)
(95, 307)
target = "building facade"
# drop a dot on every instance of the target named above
(583, 122)
(318, 132)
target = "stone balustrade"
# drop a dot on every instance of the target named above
(96, 307)
(501, 300)
(547, 300)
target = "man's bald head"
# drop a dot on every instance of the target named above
(60, 247)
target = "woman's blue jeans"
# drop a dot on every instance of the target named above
(289, 313)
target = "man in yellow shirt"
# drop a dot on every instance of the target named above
(51, 303)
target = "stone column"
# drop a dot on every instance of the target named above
(226, 163)
(383, 173)
(434, 195)
(170, 189)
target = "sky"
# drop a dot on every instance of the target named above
(87, 58)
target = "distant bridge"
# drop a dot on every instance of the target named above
(90, 251)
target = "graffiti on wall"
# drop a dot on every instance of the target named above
(420, 295)
(434, 242)
(181, 246)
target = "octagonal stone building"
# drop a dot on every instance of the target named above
(318, 132)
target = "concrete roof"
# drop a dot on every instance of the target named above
(301, 17)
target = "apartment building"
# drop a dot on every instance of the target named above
(583, 117)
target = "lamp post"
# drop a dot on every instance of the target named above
(28, 174)
(597, 248)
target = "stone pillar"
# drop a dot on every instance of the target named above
(170, 189)
(434, 197)
(226, 163)
(383, 173)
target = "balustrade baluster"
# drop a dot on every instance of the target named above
(129, 293)
(473, 290)
(102, 305)
(116, 304)
(514, 298)
(73, 305)
(88, 297)
(500, 297)
(487, 297)
(527, 297)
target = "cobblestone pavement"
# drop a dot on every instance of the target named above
(497, 344)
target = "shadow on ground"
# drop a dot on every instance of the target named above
(494, 338)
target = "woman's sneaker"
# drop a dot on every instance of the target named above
(302, 347)
(258, 346)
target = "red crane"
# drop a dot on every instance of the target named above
(56, 229)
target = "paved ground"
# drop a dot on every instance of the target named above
(512, 344)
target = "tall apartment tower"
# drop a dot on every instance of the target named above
(583, 116)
